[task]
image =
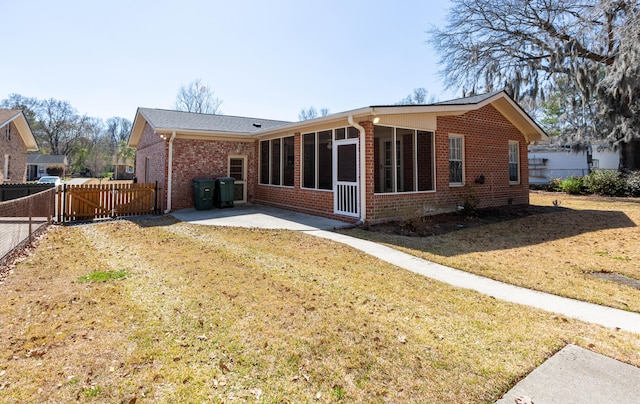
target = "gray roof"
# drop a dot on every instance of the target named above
(167, 119)
(474, 99)
(7, 115)
(42, 159)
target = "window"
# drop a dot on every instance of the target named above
(309, 161)
(456, 160)
(325, 160)
(6, 167)
(276, 161)
(288, 161)
(404, 160)
(147, 168)
(514, 162)
(264, 162)
(317, 156)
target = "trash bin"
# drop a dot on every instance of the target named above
(223, 196)
(203, 193)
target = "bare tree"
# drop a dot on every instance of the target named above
(528, 47)
(118, 129)
(29, 106)
(311, 113)
(418, 97)
(197, 97)
(60, 126)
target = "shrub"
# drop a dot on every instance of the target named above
(554, 185)
(605, 182)
(56, 169)
(572, 185)
(633, 183)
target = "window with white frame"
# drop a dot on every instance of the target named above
(514, 162)
(277, 161)
(456, 160)
(6, 167)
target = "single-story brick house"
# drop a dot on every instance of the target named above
(370, 164)
(16, 140)
(39, 163)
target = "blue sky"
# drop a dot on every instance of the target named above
(266, 59)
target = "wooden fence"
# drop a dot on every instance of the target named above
(100, 201)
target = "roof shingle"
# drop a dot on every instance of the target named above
(166, 119)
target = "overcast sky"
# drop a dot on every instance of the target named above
(265, 59)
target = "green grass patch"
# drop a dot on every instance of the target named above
(103, 276)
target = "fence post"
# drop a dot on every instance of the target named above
(61, 217)
(30, 218)
(155, 202)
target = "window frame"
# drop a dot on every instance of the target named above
(346, 133)
(461, 159)
(5, 174)
(516, 146)
(272, 165)
(398, 161)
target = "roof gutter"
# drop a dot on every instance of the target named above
(363, 167)
(170, 171)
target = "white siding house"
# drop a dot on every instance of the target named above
(547, 162)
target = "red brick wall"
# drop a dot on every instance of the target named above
(486, 149)
(206, 159)
(154, 148)
(486, 132)
(16, 149)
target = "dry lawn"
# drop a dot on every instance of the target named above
(210, 314)
(555, 252)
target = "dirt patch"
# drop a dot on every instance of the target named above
(617, 278)
(448, 222)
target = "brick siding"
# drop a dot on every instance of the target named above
(486, 153)
(151, 161)
(206, 159)
(17, 151)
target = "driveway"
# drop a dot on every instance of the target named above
(258, 216)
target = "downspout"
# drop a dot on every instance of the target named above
(363, 169)
(170, 171)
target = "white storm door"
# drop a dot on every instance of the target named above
(346, 187)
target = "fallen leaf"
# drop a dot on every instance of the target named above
(524, 400)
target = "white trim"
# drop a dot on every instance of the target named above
(338, 185)
(5, 174)
(243, 182)
(517, 145)
(363, 166)
(462, 158)
(170, 173)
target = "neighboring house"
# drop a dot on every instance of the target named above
(38, 163)
(124, 167)
(549, 161)
(16, 140)
(370, 164)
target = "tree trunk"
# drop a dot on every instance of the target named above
(630, 156)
